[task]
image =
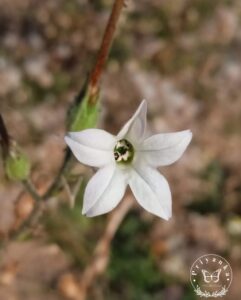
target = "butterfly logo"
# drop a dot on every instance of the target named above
(211, 277)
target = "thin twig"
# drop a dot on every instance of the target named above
(55, 184)
(105, 46)
(71, 194)
(29, 222)
(102, 250)
(31, 189)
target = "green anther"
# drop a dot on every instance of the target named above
(123, 152)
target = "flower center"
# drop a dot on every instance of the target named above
(123, 151)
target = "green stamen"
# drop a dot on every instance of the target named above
(123, 152)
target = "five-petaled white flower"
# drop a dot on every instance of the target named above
(128, 158)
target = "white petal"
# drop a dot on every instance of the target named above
(134, 129)
(165, 149)
(94, 138)
(152, 191)
(97, 185)
(104, 191)
(93, 147)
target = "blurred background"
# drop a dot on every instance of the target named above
(184, 57)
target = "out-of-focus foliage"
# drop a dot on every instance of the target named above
(211, 201)
(132, 271)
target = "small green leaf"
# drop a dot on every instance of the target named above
(17, 166)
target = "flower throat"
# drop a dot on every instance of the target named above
(123, 152)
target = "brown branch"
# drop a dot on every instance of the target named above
(105, 46)
(101, 254)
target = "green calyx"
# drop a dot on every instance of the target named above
(124, 152)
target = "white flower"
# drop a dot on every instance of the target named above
(128, 158)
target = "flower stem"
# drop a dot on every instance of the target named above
(105, 47)
(55, 184)
(31, 189)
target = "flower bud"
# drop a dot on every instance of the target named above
(17, 165)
